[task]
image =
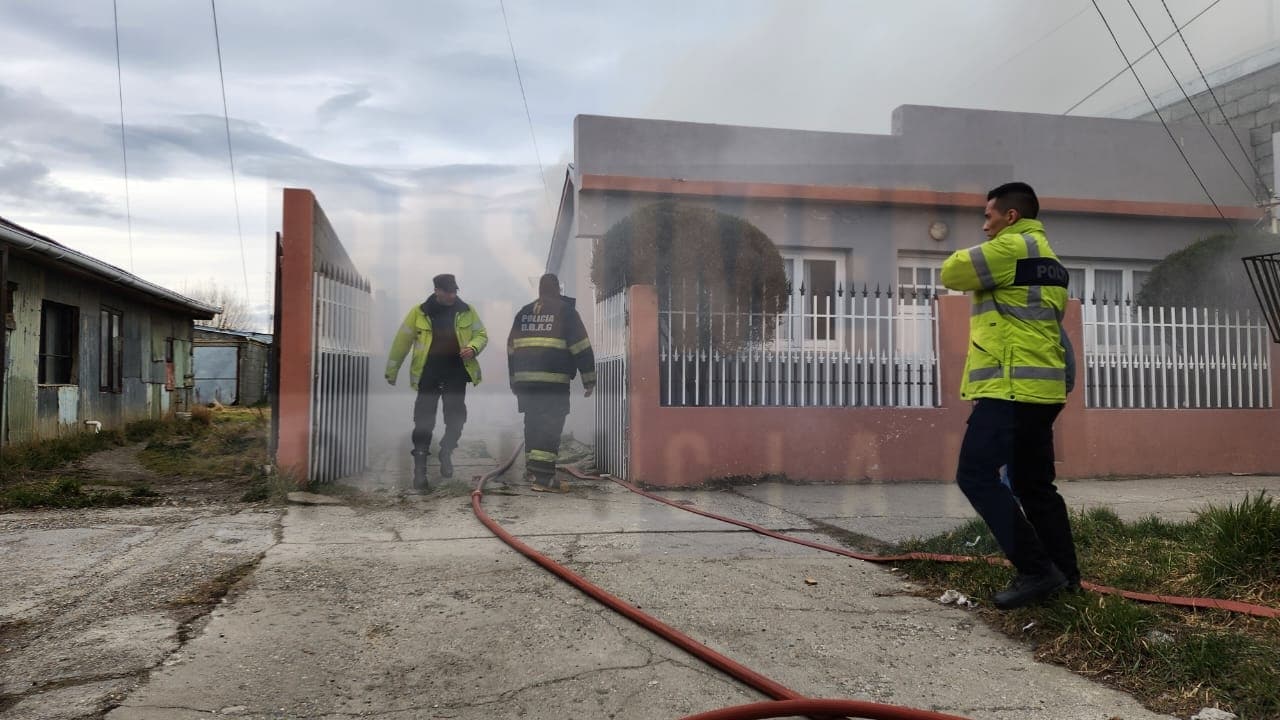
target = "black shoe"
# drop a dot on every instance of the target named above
(446, 463)
(1026, 589)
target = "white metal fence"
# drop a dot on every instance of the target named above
(857, 349)
(340, 379)
(1158, 357)
(612, 426)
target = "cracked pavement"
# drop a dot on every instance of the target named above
(405, 607)
(92, 600)
(392, 607)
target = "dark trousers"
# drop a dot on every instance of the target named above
(440, 380)
(1030, 519)
(544, 416)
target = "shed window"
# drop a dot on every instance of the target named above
(59, 336)
(111, 350)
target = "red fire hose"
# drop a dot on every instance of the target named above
(792, 702)
(1192, 602)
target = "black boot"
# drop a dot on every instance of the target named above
(1026, 589)
(446, 463)
(420, 471)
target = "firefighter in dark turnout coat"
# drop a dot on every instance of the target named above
(547, 347)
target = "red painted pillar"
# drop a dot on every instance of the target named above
(297, 332)
(643, 383)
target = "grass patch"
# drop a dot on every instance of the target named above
(1242, 549)
(269, 486)
(227, 443)
(19, 461)
(65, 492)
(1175, 660)
(141, 430)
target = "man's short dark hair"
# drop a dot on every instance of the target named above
(1016, 196)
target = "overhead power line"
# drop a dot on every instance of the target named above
(1129, 65)
(1261, 181)
(231, 157)
(525, 99)
(124, 146)
(1163, 124)
(1187, 97)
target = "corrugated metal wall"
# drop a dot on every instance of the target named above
(37, 411)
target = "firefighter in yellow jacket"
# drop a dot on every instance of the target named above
(548, 345)
(446, 337)
(1016, 375)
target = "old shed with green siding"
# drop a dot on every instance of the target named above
(86, 344)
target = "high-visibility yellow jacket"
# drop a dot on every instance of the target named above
(1019, 295)
(415, 333)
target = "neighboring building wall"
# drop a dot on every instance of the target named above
(230, 368)
(944, 150)
(37, 411)
(253, 372)
(1250, 101)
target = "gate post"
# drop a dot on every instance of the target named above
(322, 348)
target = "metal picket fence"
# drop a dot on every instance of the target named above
(611, 439)
(867, 348)
(1174, 357)
(340, 385)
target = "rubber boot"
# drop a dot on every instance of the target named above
(420, 472)
(446, 463)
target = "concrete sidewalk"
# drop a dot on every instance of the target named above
(407, 608)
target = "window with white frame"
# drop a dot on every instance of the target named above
(815, 277)
(1106, 281)
(1104, 289)
(920, 278)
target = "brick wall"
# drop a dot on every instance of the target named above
(1252, 104)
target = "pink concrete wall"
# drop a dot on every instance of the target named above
(674, 446)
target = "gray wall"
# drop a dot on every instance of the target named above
(1251, 103)
(875, 236)
(945, 149)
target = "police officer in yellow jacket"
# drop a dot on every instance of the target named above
(1016, 374)
(446, 337)
(548, 345)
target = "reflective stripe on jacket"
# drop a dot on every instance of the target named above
(415, 334)
(548, 346)
(1019, 296)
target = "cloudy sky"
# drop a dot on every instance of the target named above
(406, 119)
